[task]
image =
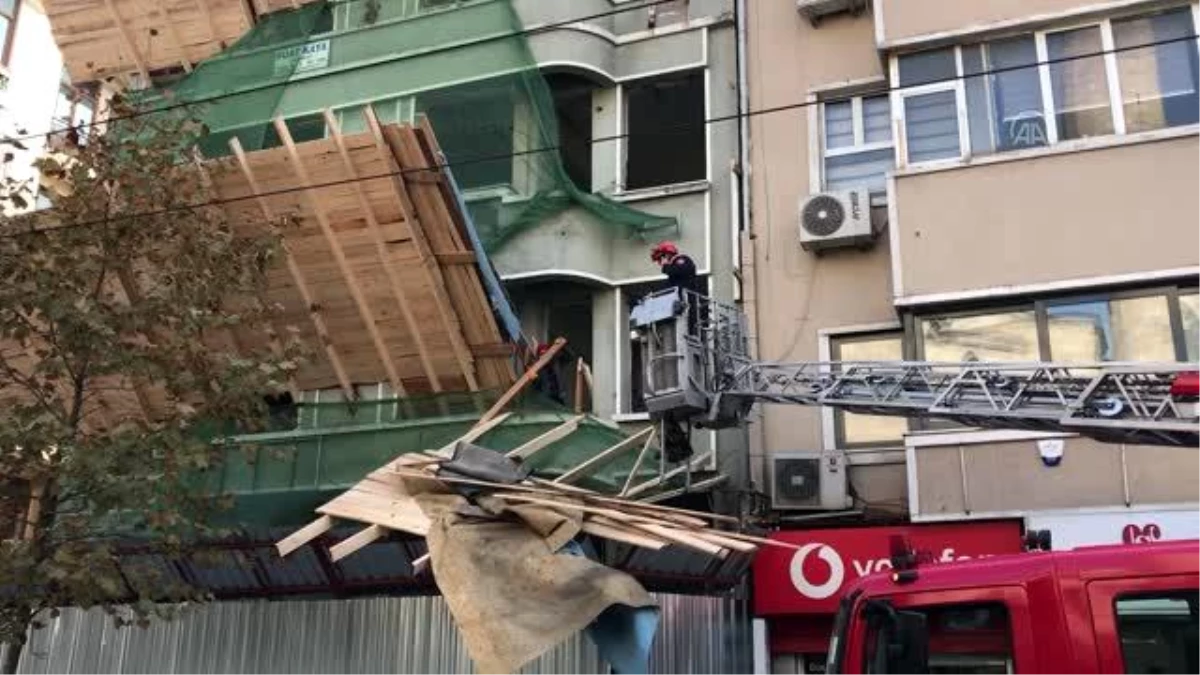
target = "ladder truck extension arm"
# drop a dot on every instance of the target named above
(697, 369)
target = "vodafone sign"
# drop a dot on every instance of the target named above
(810, 580)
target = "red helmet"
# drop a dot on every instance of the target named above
(663, 250)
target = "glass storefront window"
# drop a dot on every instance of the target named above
(1007, 336)
(1133, 329)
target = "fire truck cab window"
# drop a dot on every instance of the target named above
(1159, 632)
(963, 638)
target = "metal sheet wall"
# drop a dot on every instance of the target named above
(699, 634)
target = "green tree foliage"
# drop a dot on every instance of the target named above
(125, 315)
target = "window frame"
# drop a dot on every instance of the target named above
(837, 418)
(10, 34)
(624, 120)
(958, 85)
(858, 125)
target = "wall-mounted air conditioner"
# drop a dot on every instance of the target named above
(809, 481)
(835, 220)
(815, 10)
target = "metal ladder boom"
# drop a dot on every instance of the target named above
(1126, 402)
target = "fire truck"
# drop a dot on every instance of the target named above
(1098, 609)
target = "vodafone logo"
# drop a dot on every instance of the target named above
(837, 571)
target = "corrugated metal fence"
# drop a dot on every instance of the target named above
(698, 634)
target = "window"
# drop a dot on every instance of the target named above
(572, 96)
(475, 128)
(963, 638)
(1189, 315)
(1080, 86)
(1129, 326)
(857, 143)
(8, 24)
(999, 96)
(667, 135)
(1158, 632)
(1001, 336)
(853, 430)
(1158, 83)
(1004, 99)
(1131, 329)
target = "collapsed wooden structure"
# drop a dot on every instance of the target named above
(379, 273)
(382, 502)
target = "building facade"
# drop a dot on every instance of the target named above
(1030, 169)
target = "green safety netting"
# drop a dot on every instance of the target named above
(279, 477)
(468, 67)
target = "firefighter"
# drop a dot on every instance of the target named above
(679, 268)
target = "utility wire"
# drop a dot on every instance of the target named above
(603, 139)
(349, 69)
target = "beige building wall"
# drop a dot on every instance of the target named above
(1049, 218)
(1060, 218)
(791, 293)
(905, 21)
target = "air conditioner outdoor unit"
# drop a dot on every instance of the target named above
(815, 10)
(836, 219)
(809, 481)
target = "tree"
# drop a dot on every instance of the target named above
(125, 311)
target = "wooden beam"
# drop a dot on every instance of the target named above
(687, 539)
(559, 432)
(173, 35)
(529, 376)
(456, 258)
(213, 36)
(637, 464)
(127, 40)
(297, 275)
(239, 348)
(608, 529)
(424, 253)
(695, 487)
(33, 515)
(304, 535)
(599, 460)
(339, 258)
(690, 466)
(355, 542)
(579, 386)
(393, 275)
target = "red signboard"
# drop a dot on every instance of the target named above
(811, 580)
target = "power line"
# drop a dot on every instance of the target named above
(350, 69)
(603, 139)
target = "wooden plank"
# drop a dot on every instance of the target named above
(680, 537)
(476, 431)
(127, 39)
(601, 459)
(173, 36)
(525, 380)
(339, 257)
(424, 251)
(304, 535)
(355, 542)
(434, 204)
(608, 529)
(375, 509)
(213, 36)
(637, 464)
(456, 258)
(396, 285)
(529, 448)
(335, 361)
